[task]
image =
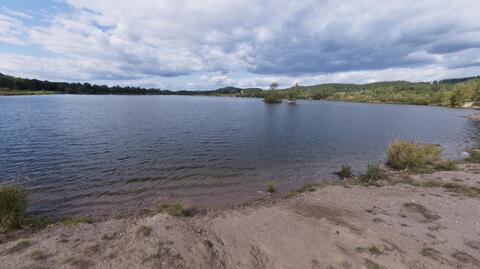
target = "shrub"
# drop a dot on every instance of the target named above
(13, 204)
(345, 172)
(271, 187)
(411, 155)
(373, 174)
(474, 156)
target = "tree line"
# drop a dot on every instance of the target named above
(450, 92)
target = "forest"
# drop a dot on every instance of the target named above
(450, 92)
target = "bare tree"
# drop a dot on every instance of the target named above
(274, 85)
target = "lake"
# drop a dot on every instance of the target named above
(91, 154)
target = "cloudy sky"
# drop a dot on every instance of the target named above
(193, 44)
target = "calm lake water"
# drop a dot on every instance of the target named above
(104, 154)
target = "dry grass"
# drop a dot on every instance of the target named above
(13, 203)
(345, 172)
(446, 166)
(373, 174)
(462, 189)
(271, 187)
(413, 156)
(309, 187)
(474, 156)
(452, 187)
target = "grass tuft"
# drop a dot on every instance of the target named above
(446, 166)
(474, 156)
(345, 172)
(176, 209)
(373, 175)
(13, 204)
(412, 156)
(309, 187)
(271, 187)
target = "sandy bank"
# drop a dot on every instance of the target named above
(400, 225)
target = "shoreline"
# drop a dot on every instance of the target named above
(233, 96)
(407, 221)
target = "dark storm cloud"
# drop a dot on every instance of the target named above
(117, 41)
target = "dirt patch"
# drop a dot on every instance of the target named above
(435, 255)
(369, 264)
(79, 263)
(420, 212)
(337, 216)
(473, 244)
(259, 260)
(165, 257)
(19, 246)
(465, 258)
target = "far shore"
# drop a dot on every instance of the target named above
(31, 93)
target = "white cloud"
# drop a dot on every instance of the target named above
(247, 43)
(11, 30)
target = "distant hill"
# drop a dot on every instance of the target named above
(10, 83)
(448, 92)
(23, 84)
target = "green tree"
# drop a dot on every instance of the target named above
(272, 96)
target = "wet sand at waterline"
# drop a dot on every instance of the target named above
(404, 223)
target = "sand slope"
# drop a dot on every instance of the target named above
(342, 226)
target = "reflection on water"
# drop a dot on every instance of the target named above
(83, 154)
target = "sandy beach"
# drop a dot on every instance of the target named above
(410, 221)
